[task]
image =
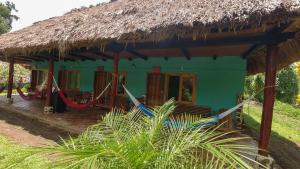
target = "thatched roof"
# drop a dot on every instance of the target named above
(147, 20)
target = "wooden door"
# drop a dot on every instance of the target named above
(155, 89)
(101, 80)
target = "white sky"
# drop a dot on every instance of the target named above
(31, 11)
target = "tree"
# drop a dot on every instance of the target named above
(287, 85)
(6, 19)
(20, 71)
(6, 16)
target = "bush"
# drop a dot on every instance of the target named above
(287, 85)
(254, 85)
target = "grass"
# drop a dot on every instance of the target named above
(12, 154)
(285, 120)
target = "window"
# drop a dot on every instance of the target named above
(122, 78)
(72, 79)
(181, 87)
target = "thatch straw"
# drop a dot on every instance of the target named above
(145, 20)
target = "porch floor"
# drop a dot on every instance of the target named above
(74, 121)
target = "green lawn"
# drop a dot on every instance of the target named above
(286, 120)
(11, 153)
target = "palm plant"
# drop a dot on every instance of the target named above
(131, 140)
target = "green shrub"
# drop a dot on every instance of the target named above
(254, 85)
(287, 85)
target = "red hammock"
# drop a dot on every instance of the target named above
(73, 104)
(28, 97)
(2, 89)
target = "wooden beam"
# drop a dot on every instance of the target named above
(137, 54)
(251, 50)
(10, 80)
(103, 55)
(47, 57)
(83, 56)
(48, 103)
(266, 38)
(186, 53)
(269, 98)
(114, 85)
(34, 58)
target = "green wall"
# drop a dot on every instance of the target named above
(218, 81)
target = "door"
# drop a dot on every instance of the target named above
(101, 80)
(155, 89)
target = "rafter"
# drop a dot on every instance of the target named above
(138, 54)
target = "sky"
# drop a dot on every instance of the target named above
(31, 11)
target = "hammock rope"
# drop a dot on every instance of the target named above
(75, 105)
(213, 120)
(29, 97)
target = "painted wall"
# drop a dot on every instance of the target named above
(218, 81)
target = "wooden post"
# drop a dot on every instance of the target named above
(10, 83)
(48, 104)
(269, 98)
(114, 85)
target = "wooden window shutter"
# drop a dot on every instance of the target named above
(155, 95)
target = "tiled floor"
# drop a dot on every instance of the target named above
(73, 120)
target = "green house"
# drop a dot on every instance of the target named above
(196, 52)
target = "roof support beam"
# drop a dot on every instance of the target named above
(82, 57)
(103, 55)
(138, 54)
(248, 53)
(186, 53)
(267, 38)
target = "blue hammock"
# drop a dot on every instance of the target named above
(211, 120)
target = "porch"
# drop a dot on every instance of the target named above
(73, 121)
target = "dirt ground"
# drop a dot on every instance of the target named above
(285, 152)
(26, 131)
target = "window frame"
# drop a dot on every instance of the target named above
(37, 76)
(67, 80)
(181, 76)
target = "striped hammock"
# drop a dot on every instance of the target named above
(213, 120)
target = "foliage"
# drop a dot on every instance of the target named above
(19, 71)
(13, 154)
(287, 85)
(132, 140)
(285, 120)
(254, 85)
(6, 17)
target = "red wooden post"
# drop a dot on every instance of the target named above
(269, 98)
(48, 104)
(10, 80)
(114, 85)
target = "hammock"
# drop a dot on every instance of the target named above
(210, 121)
(29, 97)
(74, 104)
(2, 89)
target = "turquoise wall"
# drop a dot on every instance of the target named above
(218, 81)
